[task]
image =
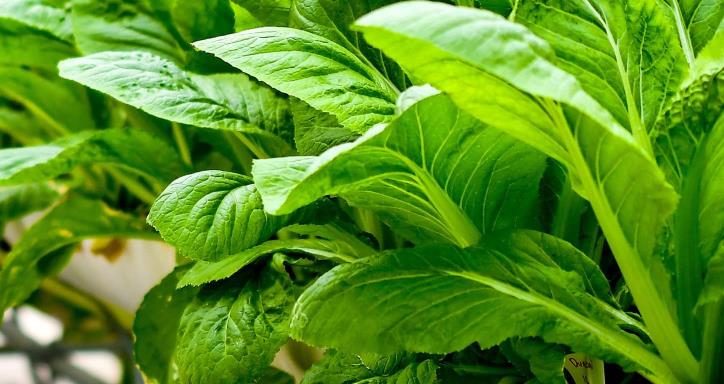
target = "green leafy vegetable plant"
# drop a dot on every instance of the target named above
(431, 192)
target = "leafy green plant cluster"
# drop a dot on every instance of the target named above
(432, 192)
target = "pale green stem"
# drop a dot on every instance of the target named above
(258, 151)
(662, 327)
(181, 143)
(683, 34)
(133, 185)
(712, 371)
(241, 153)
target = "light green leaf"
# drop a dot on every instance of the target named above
(699, 20)
(126, 148)
(231, 331)
(39, 14)
(21, 125)
(698, 226)
(710, 208)
(160, 88)
(439, 299)
(336, 368)
(61, 106)
(311, 68)
(34, 256)
(23, 46)
(434, 174)
(275, 376)
(416, 373)
(545, 361)
(332, 19)
(345, 368)
(156, 325)
(324, 242)
(628, 57)
(506, 77)
(196, 20)
(210, 215)
(269, 12)
(713, 289)
(127, 25)
(19, 200)
(693, 111)
(316, 131)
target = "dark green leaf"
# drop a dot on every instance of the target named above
(156, 325)
(231, 331)
(159, 87)
(17, 201)
(59, 105)
(269, 12)
(434, 174)
(332, 19)
(316, 131)
(439, 299)
(126, 148)
(325, 242)
(122, 25)
(210, 215)
(39, 14)
(202, 19)
(22, 45)
(311, 68)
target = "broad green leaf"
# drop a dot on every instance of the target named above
(269, 12)
(415, 373)
(61, 106)
(324, 242)
(122, 25)
(21, 124)
(202, 19)
(693, 111)
(231, 331)
(336, 368)
(129, 149)
(344, 368)
(210, 215)
(710, 209)
(332, 19)
(543, 360)
(156, 325)
(311, 68)
(434, 174)
(160, 88)
(316, 131)
(439, 299)
(699, 20)
(275, 376)
(19, 200)
(24, 46)
(698, 228)
(713, 290)
(628, 57)
(32, 258)
(39, 14)
(506, 77)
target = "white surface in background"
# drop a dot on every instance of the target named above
(14, 369)
(103, 365)
(40, 327)
(124, 281)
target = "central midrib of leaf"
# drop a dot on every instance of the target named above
(460, 227)
(620, 343)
